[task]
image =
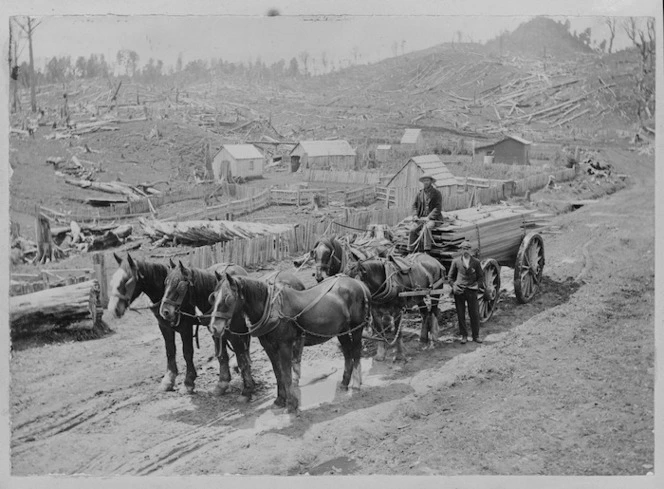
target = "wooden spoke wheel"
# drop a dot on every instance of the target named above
(528, 267)
(487, 306)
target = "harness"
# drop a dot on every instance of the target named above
(341, 261)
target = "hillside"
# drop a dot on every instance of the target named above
(538, 37)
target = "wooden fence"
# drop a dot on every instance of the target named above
(227, 210)
(298, 196)
(349, 176)
(460, 197)
(299, 240)
(365, 195)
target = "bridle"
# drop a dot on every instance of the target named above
(181, 291)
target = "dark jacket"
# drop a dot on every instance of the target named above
(429, 203)
(466, 278)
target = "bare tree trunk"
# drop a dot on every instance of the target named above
(33, 94)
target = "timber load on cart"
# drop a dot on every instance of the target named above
(501, 235)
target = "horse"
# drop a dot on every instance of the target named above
(386, 278)
(136, 277)
(285, 320)
(332, 255)
(189, 288)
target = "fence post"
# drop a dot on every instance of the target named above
(99, 265)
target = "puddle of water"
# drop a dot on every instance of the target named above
(336, 466)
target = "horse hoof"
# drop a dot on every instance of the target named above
(220, 389)
(166, 386)
(244, 399)
(279, 403)
(343, 387)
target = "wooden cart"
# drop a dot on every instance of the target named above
(502, 235)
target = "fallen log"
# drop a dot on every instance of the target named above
(208, 232)
(54, 308)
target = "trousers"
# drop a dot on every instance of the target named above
(468, 296)
(427, 239)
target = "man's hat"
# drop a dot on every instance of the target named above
(428, 175)
(465, 245)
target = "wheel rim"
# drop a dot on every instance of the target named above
(492, 278)
(528, 269)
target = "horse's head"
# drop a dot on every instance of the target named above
(323, 255)
(371, 271)
(125, 285)
(177, 285)
(226, 300)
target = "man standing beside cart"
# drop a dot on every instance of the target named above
(427, 213)
(467, 278)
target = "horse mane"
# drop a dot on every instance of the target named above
(204, 283)
(151, 278)
(336, 250)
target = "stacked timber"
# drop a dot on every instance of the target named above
(495, 231)
(201, 233)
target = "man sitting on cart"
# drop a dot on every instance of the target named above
(427, 214)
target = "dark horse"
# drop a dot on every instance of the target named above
(332, 255)
(386, 279)
(190, 288)
(285, 320)
(135, 277)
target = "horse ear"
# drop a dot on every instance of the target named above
(117, 258)
(170, 263)
(183, 269)
(218, 275)
(230, 279)
(130, 260)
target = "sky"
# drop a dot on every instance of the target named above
(244, 33)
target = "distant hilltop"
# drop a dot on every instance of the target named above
(541, 36)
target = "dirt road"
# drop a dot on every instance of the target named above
(561, 386)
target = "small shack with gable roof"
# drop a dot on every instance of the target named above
(334, 154)
(409, 174)
(511, 150)
(383, 152)
(238, 161)
(413, 139)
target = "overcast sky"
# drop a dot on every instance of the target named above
(241, 32)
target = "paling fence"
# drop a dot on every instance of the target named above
(460, 197)
(338, 176)
(299, 240)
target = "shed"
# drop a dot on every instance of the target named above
(383, 152)
(511, 150)
(409, 174)
(413, 138)
(238, 160)
(334, 154)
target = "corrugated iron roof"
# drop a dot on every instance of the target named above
(431, 165)
(243, 151)
(336, 147)
(410, 136)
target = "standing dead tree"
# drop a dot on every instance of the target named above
(644, 41)
(611, 23)
(29, 28)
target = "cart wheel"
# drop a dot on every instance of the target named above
(528, 267)
(492, 278)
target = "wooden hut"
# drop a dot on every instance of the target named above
(324, 155)
(383, 152)
(413, 139)
(238, 161)
(511, 150)
(409, 174)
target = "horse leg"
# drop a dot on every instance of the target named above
(221, 352)
(347, 348)
(434, 325)
(298, 346)
(187, 337)
(400, 355)
(272, 353)
(285, 355)
(168, 381)
(356, 376)
(241, 346)
(424, 331)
